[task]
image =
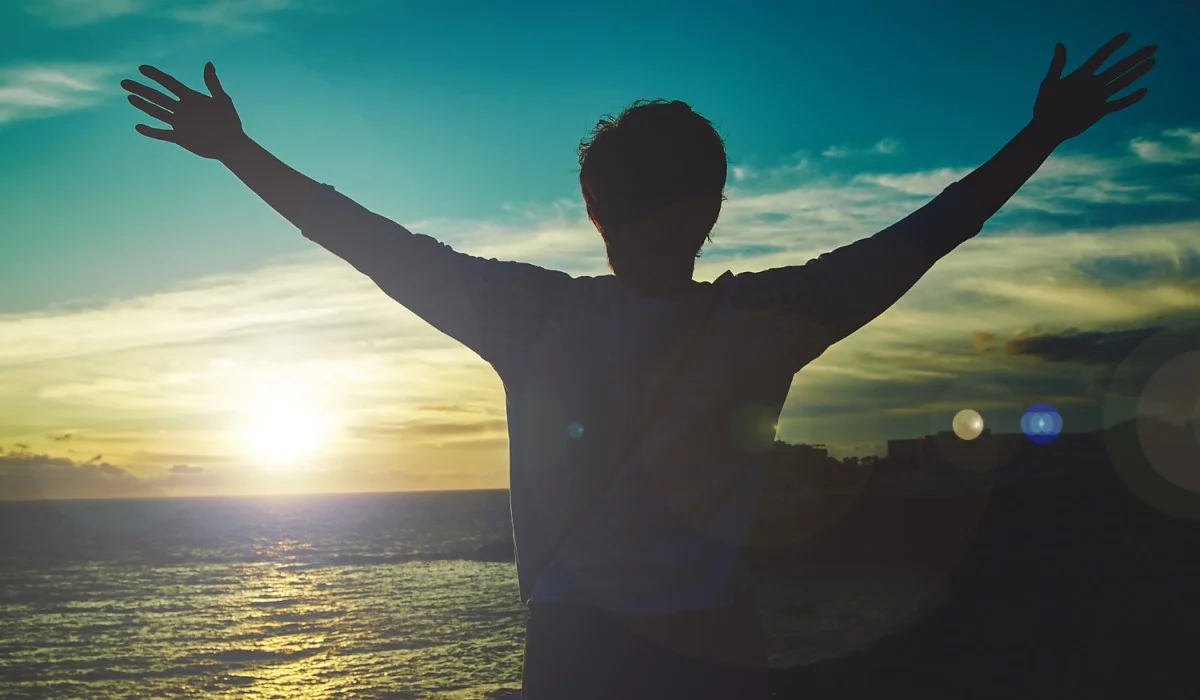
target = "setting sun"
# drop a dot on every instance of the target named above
(282, 425)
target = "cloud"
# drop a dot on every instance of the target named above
(79, 12)
(1068, 184)
(32, 91)
(439, 432)
(925, 183)
(1177, 264)
(1171, 146)
(237, 15)
(33, 475)
(25, 475)
(446, 408)
(1084, 347)
(886, 146)
(982, 340)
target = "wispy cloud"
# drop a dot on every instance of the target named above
(1072, 183)
(31, 91)
(80, 12)
(885, 146)
(238, 15)
(1171, 146)
(926, 183)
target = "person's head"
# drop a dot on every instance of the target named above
(653, 180)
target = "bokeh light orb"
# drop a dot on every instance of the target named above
(957, 412)
(967, 424)
(1150, 408)
(1041, 423)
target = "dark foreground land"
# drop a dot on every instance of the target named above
(1067, 586)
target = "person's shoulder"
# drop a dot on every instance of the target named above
(591, 285)
(583, 294)
(726, 281)
(755, 288)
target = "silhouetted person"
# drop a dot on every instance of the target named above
(647, 596)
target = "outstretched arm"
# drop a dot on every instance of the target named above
(817, 304)
(210, 127)
(491, 306)
(1065, 108)
(287, 190)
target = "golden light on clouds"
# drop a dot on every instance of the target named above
(306, 365)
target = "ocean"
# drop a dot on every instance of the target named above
(382, 596)
(351, 596)
(1059, 587)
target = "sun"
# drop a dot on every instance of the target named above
(281, 425)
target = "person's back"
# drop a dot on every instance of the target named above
(630, 562)
(655, 415)
(660, 532)
(643, 534)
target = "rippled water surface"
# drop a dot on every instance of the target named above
(380, 596)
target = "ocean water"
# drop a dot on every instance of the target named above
(352, 596)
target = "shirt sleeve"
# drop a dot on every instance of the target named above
(496, 308)
(804, 309)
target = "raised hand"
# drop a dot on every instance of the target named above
(207, 125)
(1066, 107)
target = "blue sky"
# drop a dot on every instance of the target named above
(122, 260)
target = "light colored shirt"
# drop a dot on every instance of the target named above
(579, 357)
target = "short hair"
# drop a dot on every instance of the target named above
(655, 154)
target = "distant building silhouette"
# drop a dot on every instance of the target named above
(802, 472)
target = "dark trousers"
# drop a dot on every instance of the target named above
(579, 652)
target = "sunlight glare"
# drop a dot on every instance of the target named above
(281, 424)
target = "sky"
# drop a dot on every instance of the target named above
(162, 331)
